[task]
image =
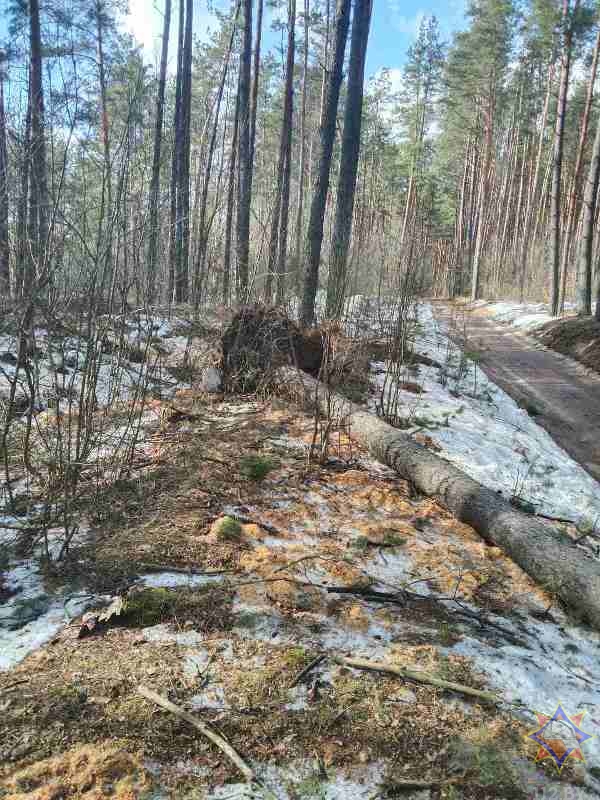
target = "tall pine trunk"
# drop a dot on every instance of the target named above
(279, 219)
(176, 157)
(559, 131)
(302, 164)
(152, 251)
(314, 235)
(482, 194)
(105, 232)
(574, 193)
(22, 260)
(342, 227)
(203, 227)
(532, 195)
(255, 83)
(244, 157)
(230, 199)
(585, 254)
(4, 241)
(38, 209)
(182, 230)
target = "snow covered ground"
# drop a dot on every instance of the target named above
(484, 432)
(29, 616)
(59, 366)
(481, 429)
(524, 316)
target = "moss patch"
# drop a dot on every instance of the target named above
(207, 608)
(256, 467)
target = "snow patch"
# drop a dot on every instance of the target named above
(483, 431)
(168, 580)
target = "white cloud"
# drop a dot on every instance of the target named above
(145, 23)
(406, 25)
(396, 78)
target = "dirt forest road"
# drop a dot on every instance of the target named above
(565, 396)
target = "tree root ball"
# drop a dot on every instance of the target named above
(259, 340)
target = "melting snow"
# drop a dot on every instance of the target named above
(168, 580)
(286, 783)
(482, 430)
(525, 316)
(29, 617)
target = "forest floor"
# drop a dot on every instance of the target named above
(562, 394)
(240, 562)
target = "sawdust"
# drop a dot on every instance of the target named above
(81, 693)
(89, 773)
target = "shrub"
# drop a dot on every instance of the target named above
(255, 467)
(228, 529)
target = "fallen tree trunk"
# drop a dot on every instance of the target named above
(549, 557)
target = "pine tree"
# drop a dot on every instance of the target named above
(154, 192)
(38, 200)
(4, 216)
(314, 235)
(344, 211)
(244, 156)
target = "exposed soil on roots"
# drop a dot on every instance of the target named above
(259, 340)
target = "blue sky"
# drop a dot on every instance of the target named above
(396, 22)
(394, 25)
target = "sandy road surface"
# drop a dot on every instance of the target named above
(565, 395)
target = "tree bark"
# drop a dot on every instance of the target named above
(344, 211)
(244, 157)
(314, 234)
(585, 254)
(255, 83)
(549, 557)
(482, 195)
(151, 253)
(302, 165)
(230, 198)
(4, 241)
(105, 232)
(203, 228)
(182, 229)
(23, 263)
(559, 131)
(532, 195)
(279, 219)
(176, 159)
(39, 187)
(574, 193)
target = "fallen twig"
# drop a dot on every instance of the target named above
(182, 570)
(420, 677)
(13, 685)
(206, 730)
(403, 597)
(550, 518)
(249, 521)
(309, 668)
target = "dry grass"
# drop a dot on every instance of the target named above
(80, 694)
